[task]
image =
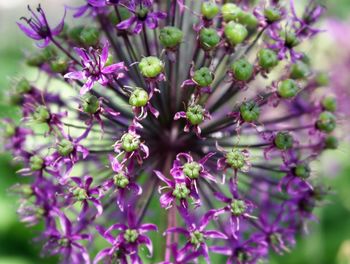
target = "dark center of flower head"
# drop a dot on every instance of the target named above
(142, 12)
(242, 255)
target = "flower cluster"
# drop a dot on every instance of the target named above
(192, 121)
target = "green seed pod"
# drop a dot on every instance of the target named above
(80, 194)
(302, 171)
(130, 142)
(326, 122)
(272, 15)
(203, 77)
(41, 114)
(141, 12)
(329, 103)
(74, 34)
(299, 70)
(291, 39)
(195, 114)
(120, 180)
(283, 140)
(235, 159)
(89, 36)
(249, 111)
(331, 142)
(238, 207)
(65, 147)
(196, 238)
(170, 37)
(131, 235)
(36, 163)
(59, 65)
(192, 169)
(90, 103)
(267, 59)
(138, 98)
(322, 79)
(235, 33)
(248, 19)
(287, 89)
(9, 130)
(181, 191)
(209, 10)
(151, 67)
(230, 12)
(208, 38)
(242, 70)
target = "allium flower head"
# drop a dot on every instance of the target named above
(193, 123)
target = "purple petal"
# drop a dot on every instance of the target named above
(145, 240)
(179, 115)
(215, 234)
(57, 30)
(113, 68)
(147, 227)
(163, 178)
(29, 32)
(125, 24)
(77, 75)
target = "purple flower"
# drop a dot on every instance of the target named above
(38, 27)
(95, 68)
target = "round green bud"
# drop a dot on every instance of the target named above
(36, 163)
(235, 159)
(130, 142)
(74, 34)
(230, 12)
(238, 207)
(195, 114)
(203, 77)
(283, 140)
(41, 114)
(326, 122)
(209, 10)
(235, 33)
(331, 142)
(23, 86)
(151, 67)
(291, 39)
(196, 238)
(131, 235)
(242, 70)
(192, 169)
(299, 70)
(287, 89)
(59, 65)
(138, 98)
(249, 111)
(322, 79)
(181, 191)
(170, 37)
(90, 103)
(80, 194)
(9, 130)
(90, 36)
(65, 147)
(35, 60)
(329, 103)
(248, 19)
(267, 59)
(120, 180)
(302, 171)
(208, 38)
(272, 15)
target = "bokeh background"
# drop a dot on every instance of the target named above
(327, 241)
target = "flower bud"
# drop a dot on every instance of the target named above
(36, 163)
(322, 79)
(120, 180)
(331, 142)
(302, 170)
(131, 235)
(267, 59)
(196, 238)
(90, 103)
(326, 122)
(238, 207)
(208, 38)
(242, 70)
(329, 103)
(59, 65)
(130, 142)
(287, 89)
(139, 97)
(141, 12)
(181, 191)
(235, 33)
(89, 36)
(299, 70)
(203, 77)
(151, 67)
(195, 114)
(65, 147)
(209, 10)
(41, 114)
(80, 194)
(230, 12)
(249, 111)
(291, 39)
(272, 15)
(9, 130)
(235, 159)
(192, 169)
(283, 140)
(170, 37)
(74, 34)
(248, 19)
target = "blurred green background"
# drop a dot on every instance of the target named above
(327, 241)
